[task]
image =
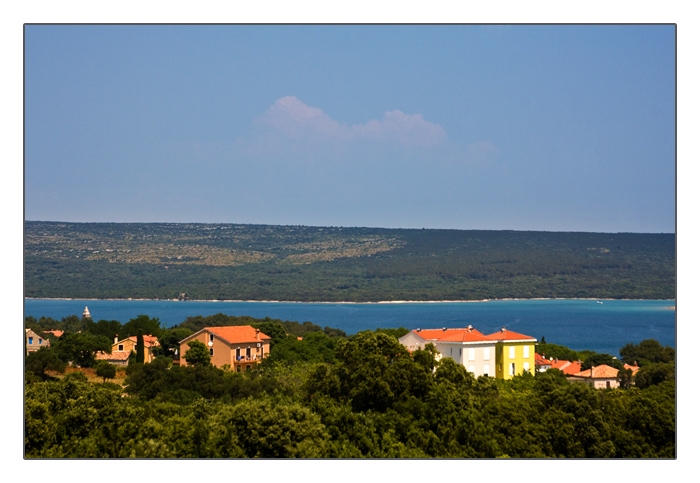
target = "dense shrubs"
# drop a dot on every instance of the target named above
(373, 399)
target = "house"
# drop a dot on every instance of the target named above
(240, 347)
(466, 346)
(542, 363)
(122, 349)
(600, 377)
(33, 341)
(567, 367)
(515, 353)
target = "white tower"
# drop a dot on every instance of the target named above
(86, 313)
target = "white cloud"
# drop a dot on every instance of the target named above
(291, 118)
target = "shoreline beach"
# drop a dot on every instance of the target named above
(339, 302)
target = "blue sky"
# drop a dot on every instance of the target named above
(557, 128)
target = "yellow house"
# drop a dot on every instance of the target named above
(122, 349)
(515, 353)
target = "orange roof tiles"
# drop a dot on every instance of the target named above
(453, 335)
(599, 372)
(504, 335)
(567, 367)
(238, 333)
(634, 368)
(148, 340)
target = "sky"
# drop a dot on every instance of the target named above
(497, 127)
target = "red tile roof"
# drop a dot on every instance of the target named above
(567, 367)
(634, 368)
(57, 333)
(452, 335)
(503, 335)
(148, 340)
(541, 360)
(238, 334)
(599, 372)
(114, 356)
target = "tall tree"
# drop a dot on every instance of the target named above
(197, 354)
(140, 348)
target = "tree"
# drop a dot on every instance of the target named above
(170, 341)
(596, 359)
(197, 354)
(140, 348)
(45, 359)
(80, 348)
(108, 328)
(652, 374)
(149, 326)
(648, 351)
(105, 370)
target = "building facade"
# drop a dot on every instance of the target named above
(34, 342)
(239, 347)
(515, 353)
(466, 346)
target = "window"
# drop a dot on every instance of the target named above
(526, 351)
(211, 337)
(238, 353)
(121, 347)
(40, 341)
(211, 351)
(247, 352)
(486, 369)
(511, 368)
(471, 354)
(471, 368)
(487, 353)
(511, 352)
(31, 340)
(526, 367)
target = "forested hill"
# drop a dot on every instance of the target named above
(299, 263)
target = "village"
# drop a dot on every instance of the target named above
(501, 355)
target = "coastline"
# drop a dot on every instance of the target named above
(342, 302)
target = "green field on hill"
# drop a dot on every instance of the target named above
(300, 263)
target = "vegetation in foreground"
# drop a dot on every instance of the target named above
(296, 263)
(332, 396)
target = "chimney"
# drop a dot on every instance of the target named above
(444, 329)
(469, 327)
(418, 329)
(257, 334)
(116, 338)
(503, 329)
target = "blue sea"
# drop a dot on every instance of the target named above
(578, 324)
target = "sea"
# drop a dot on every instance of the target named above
(602, 326)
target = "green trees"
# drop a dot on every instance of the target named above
(648, 351)
(372, 399)
(197, 354)
(45, 359)
(140, 348)
(80, 348)
(105, 370)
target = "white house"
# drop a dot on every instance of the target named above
(466, 346)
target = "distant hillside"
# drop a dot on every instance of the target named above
(265, 262)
